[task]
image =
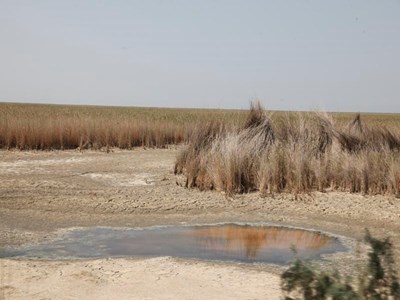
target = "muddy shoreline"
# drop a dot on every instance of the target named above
(42, 192)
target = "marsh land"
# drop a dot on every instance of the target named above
(64, 167)
(44, 193)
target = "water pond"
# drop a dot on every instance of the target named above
(225, 242)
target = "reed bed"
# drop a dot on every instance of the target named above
(294, 153)
(51, 127)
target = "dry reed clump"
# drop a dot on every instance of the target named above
(200, 142)
(358, 136)
(296, 153)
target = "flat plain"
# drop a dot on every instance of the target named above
(44, 193)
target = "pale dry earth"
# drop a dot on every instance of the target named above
(155, 278)
(45, 192)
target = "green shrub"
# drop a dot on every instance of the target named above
(377, 281)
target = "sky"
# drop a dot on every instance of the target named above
(338, 55)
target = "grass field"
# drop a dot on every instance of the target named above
(47, 127)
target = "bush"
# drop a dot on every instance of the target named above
(378, 279)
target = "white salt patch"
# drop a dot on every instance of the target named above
(125, 180)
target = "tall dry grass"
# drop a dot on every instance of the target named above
(294, 153)
(70, 133)
(46, 127)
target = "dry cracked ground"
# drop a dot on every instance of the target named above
(44, 193)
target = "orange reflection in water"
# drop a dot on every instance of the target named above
(249, 240)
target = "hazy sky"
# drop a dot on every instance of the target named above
(292, 55)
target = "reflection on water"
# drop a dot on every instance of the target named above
(217, 242)
(248, 240)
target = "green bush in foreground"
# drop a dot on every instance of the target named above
(377, 281)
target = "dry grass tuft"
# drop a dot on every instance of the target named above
(294, 153)
(360, 137)
(200, 142)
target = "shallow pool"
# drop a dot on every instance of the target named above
(226, 242)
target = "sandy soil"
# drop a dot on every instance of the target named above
(156, 278)
(42, 192)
